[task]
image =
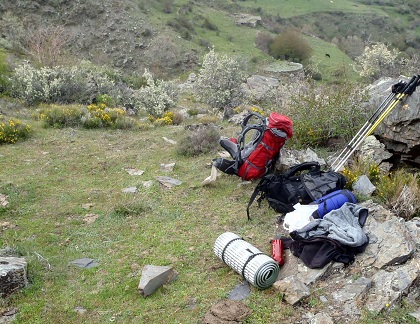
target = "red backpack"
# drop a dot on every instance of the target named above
(254, 159)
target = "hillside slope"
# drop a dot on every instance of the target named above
(170, 37)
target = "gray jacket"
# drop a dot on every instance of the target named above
(343, 225)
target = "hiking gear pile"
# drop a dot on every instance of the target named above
(253, 159)
(302, 183)
(336, 237)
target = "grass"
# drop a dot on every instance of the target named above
(289, 8)
(60, 177)
(64, 188)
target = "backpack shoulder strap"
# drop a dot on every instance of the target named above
(249, 116)
(245, 149)
(265, 180)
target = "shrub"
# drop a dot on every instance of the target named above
(12, 130)
(290, 45)
(263, 41)
(400, 192)
(92, 116)
(77, 84)
(376, 61)
(203, 140)
(219, 81)
(321, 114)
(177, 118)
(46, 44)
(209, 25)
(105, 99)
(209, 119)
(166, 119)
(359, 167)
(60, 116)
(156, 97)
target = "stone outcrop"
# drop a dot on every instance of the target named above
(247, 20)
(400, 130)
(12, 275)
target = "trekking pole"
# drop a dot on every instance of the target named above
(364, 128)
(345, 153)
(402, 90)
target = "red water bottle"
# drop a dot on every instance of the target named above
(277, 251)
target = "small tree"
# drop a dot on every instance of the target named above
(219, 81)
(290, 45)
(46, 44)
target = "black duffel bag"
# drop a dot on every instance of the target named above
(302, 183)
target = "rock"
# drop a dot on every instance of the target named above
(413, 227)
(168, 181)
(86, 263)
(416, 315)
(167, 166)
(154, 277)
(293, 289)
(259, 85)
(130, 190)
(373, 151)
(240, 292)
(321, 318)
(247, 20)
(390, 241)
(389, 286)
(353, 290)
(400, 130)
(294, 267)
(363, 186)
(289, 158)
(12, 275)
(380, 277)
(238, 118)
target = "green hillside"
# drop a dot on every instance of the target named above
(170, 37)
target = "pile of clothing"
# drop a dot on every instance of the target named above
(338, 236)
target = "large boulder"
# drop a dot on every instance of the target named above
(400, 130)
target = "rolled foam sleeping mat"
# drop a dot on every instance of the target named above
(257, 268)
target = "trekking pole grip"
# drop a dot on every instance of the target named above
(412, 85)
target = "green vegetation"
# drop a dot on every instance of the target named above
(66, 201)
(67, 145)
(12, 130)
(288, 8)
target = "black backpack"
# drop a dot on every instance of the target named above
(302, 183)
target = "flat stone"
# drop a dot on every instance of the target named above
(168, 181)
(363, 186)
(154, 277)
(85, 263)
(293, 289)
(240, 292)
(353, 290)
(130, 190)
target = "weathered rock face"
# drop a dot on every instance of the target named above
(400, 130)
